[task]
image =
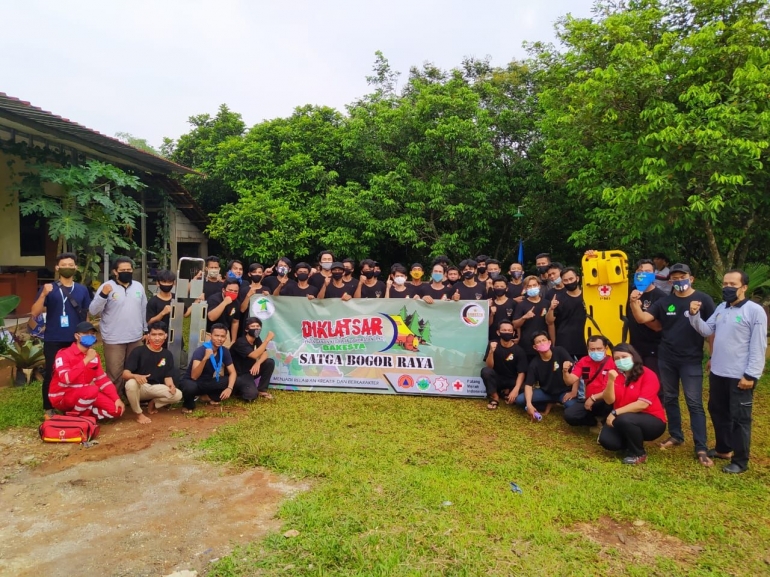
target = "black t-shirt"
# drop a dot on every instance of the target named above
(510, 362)
(317, 280)
(571, 323)
(549, 294)
(502, 312)
(332, 292)
(240, 351)
(154, 307)
(292, 289)
(515, 290)
(231, 312)
(408, 292)
(645, 340)
(679, 340)
(548, 374)
(159, 365)
(208, 369)
(426, 290)
(212, 288)
(376, 291)
(243, 290)
(533, 325)
(471, 293)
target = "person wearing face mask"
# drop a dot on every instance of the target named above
(205, 374)
(235, 273)
(224, 309)
(325, 261)
(436, 289)
(150, 374)
(212, 283)
(453, 275)
(251, 362)
(680, 356)
(542, 262)
(593, 369)
(469, 289)
(549, 370)
(500, 306)
(79, 385)
(645, 340)
(566, 316)
(482, 275)
(516, 286)
(281, 270)
(397, 287)
(255, 286)
(66, 304)
(416, 273)
(369, 286)
(350, 267)
(493, 272)
(529, 315)
(160, 304)
(335, 286)
(739, 328)
(122, 305)
(506, 366)
(555, 283)
(301, 288)
(637, 414)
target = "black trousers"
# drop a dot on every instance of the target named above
(629, 431)
(50, 349)
(730, 410)
(578, 416)
(191, 388)
(494, 383)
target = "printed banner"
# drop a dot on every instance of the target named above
(390, 346)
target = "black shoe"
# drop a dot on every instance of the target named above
(734, 469)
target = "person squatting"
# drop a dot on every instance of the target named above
(537, 357)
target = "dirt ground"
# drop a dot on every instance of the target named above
(138, 503)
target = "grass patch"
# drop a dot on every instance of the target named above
(384, 468)
(21, 406)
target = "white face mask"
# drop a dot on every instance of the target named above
(399, 280)
(326, 265)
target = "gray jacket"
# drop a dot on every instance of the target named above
(123, 312)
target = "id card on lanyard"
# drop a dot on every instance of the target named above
(64, 320)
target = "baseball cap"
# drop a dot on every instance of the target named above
(336, 265)
(679, 267)
(84, 327)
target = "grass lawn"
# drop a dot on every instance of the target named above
(421, 486)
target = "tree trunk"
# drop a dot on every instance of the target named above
(719, 264)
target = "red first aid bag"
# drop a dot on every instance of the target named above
(68, 429)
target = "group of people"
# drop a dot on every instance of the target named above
(537, 356)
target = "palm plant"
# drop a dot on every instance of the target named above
(759, 284)
(26, 355)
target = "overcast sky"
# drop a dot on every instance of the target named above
(145, 66)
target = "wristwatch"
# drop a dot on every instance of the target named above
(614, 413)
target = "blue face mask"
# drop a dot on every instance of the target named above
(88, 340)
(681, 286)
(232, 276)
(625, 364)
(437, 277)
(533, 292)
(643, 280)
(597, 356)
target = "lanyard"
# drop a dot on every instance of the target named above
(217, 364)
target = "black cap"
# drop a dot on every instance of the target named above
(336, 265)
(679, 267)
(84, 327)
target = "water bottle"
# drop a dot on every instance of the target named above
(537, 416)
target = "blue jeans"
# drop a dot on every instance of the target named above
(691, 376)
(540, 399)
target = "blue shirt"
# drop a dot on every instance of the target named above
(740, 339)
(53, 303)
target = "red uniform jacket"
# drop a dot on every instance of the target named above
(69, 372)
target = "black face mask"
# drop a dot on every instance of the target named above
(729, 294)
(499, 291)
(255, 277)
(368, 274)
(481, 270)
(494, 275)
(506, 337)
(542, 270)
(254, 333)
(571, 286)
(303, 276)
(166, 288)
(337, 275)
(125, 277)
(348, 272)
(468, 274)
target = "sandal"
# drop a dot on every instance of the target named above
(214, 403)
(187, 411)
(493, 405)
(703, 459)
(712, 453)
(670, 443)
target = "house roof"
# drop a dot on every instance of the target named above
(40, 124)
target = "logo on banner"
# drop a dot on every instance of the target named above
(457, 386)
(441, 384)
(423, 384)
(472, 314)
(405, 382)
(262, 308)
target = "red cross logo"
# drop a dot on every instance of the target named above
(458, 386)
(605, 290)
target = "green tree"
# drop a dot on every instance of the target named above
(414, 324)
(139, 143)
(656, 116)
(426, 333)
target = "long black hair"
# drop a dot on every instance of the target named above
(636, 371)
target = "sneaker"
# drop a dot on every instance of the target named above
(49, 413)
(635, 460)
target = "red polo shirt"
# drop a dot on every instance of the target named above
(643, 389)
(599, 382)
